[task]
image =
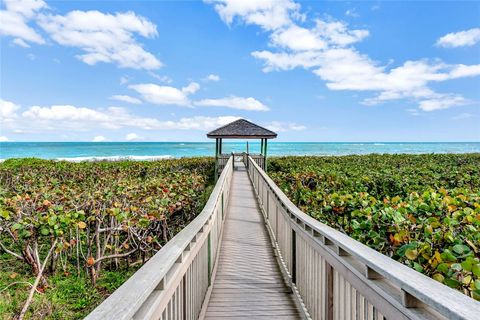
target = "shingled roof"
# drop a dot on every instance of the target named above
(242, 129)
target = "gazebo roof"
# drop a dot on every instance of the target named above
(242, 129)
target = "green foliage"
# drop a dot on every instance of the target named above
(104, 216)
(421, 210)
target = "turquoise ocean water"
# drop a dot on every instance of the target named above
(77, 151)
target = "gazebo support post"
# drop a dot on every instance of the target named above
(265, 156)
(216, 159)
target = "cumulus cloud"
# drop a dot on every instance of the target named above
(269, 14)
(132, 137)
(250, 104)
(55, 118)
(164, 79)
(460, 39)
(440, 101)
(165, 95)
(125, 98)
(278, 126)
(104, 37)
(15, 18)
(21, 43)
(327, 49)
(191, 88)
(212, 77)
(99, 139)
(82, 119)
(8, 110)
(4, 139)
(461, 71)
(352, 13)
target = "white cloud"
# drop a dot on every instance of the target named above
(132, 137)
(14, 20)
(234, 102)
(461, 70)
(326, 49)
(278, 126)
(165, 95)
(8, 110)
(352, 13)
(99, 139)
(27, 8)
(440, 102)
(269, 14)
(337, 33)
(164, 79)
(212, 77)
(60, 117)
(191, 88)
(125, 98)
(104, 37)
(21, 43)
(298, 38)
(124, 80)
(460, 39)
(4, 139)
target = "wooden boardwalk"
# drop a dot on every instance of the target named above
(332, 275)
(248, 282)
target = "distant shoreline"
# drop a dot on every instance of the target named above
(158, 158)
(112, 151)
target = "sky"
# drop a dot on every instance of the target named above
(174, 70)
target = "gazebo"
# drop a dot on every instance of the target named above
(240, 129)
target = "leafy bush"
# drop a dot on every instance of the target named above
(98, 216)
(421, 210)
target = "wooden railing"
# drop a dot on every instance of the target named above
(259, 159)
(221, 162)
(222, 159)
(336, 277)
(174, 282)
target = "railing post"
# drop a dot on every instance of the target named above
(328, 294)
(209, 268)
(222, 207)
(267, 206)
(294, 257)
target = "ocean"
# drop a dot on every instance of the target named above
(80, 151)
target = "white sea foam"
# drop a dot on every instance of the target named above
(115, 158)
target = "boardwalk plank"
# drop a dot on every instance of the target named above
(248, 282)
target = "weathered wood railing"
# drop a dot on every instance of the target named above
(259, 159)
(174, 282)
(222, 160)
(336, 277)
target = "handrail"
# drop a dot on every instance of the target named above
(318, 257)
(173, 283)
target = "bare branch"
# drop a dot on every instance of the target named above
(11, 252)
(35, 284)
(121, 255)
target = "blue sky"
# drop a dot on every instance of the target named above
(173, 70)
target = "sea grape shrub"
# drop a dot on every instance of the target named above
(421, 210)
(102, 214)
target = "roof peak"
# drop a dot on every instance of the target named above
(242, 128)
